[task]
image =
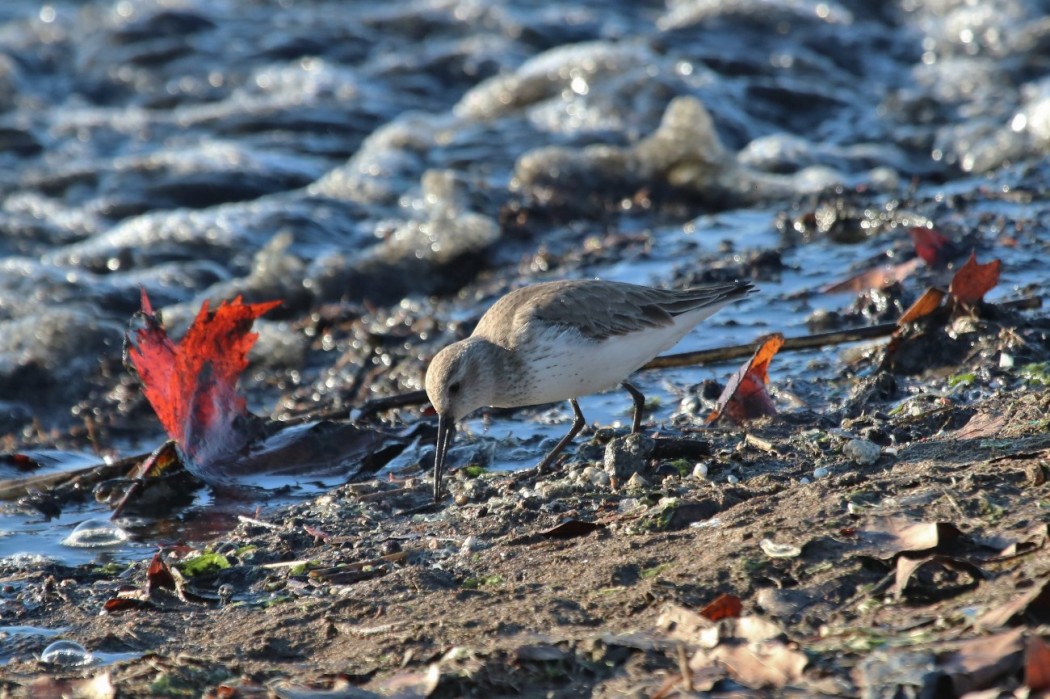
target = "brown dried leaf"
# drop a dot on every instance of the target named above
(874, 278)
(724, 606)
(1033, 605)
(885, 537)
(745, 396)
(982, 426)
(907, 567)
(981, 662)
(759, 665)
(974, 280)
(1037, 664)
(929, 302)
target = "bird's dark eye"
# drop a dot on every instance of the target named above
(454, 388)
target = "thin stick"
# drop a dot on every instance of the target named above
(722, 354)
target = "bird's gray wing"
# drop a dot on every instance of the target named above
(599, 310)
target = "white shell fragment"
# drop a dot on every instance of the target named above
(775, 550)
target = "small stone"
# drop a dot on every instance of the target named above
(732, 480)
(601, 479)
(804, 481)
(461, 499)
(862, 452)
(821, 472)
(700, 471)
(636, 482)
(1006, 361)
(470, 545)
(625, 456)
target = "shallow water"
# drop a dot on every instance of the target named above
(325, 152)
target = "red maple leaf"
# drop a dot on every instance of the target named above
(192, 384)
(974, 280)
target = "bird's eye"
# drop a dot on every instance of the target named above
(454, 388)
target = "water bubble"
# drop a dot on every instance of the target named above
(67, 654)
(95, 533)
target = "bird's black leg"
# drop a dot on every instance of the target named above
(577, 425)
(639, 405)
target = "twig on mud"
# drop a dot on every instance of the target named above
(955, 505)
(683, 667)
(14, 488)
(401, 400)
(722, 354)
(257, 522)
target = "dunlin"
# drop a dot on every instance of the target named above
(560, 340)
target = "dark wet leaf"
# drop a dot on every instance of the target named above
(745, 396)
(192, 384)
(571, 528)
(158, 575)
(724, 606)
(540, 652)
(20, 462)
(974, 280)
(1037, 664)
(983, 662)
(1032, 606)
(929, 302)
(907, 567)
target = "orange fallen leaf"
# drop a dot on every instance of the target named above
(192, 384)
(929, 302)
(745, 396)
(974, 280)
(723, 607)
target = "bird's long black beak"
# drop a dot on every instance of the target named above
(446, 433)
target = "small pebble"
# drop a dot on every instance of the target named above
(732, 480)
(470, 545)
(821, 472)
(636, 482)
(804, 481)
(862, 451)
(1006, 361)
(700, 471)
